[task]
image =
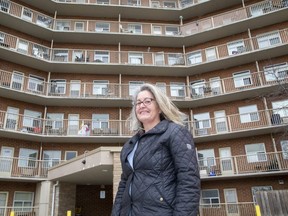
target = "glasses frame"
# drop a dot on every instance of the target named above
(146, 102)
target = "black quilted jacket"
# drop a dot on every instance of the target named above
(165, 180)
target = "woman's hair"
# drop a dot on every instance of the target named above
(168, 109)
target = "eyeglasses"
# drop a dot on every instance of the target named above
(146, 102)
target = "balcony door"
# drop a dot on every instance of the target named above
(75, 87)
(12, 118)
(231, 201)
(226, 161)
(73, 124)
(3, 203)
(220, 121)
(6, 161)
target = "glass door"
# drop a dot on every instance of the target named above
(12, 118)
(73, 124)
(231, 200)
(226, 161)
(3, 203)
(6, 161)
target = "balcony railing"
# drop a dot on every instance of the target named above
(227, 18)
(25, 167)
(20, 211)
(260, 163)
(37, 86)
(143, 58)
(89, 127)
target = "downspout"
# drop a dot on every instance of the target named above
(53, 198)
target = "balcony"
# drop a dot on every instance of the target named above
(196, 94)
(119, 62)
(65, 130)
(222, 25)
(26, 168)
(20, 211)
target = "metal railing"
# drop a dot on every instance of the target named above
(244, 164)
(26, 167)
(19, 211)
(240, 14)
(88, 127)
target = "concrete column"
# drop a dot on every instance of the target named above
(43, 198)
(117, 170)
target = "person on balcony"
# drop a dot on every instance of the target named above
(160, 174)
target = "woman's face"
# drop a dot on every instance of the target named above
(147, 110)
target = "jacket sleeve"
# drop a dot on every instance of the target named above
(118, 199)
(186, 167)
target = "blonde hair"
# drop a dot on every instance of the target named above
(168, 109)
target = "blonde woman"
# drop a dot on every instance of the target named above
(160, 175)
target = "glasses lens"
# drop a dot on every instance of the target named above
(147, 101)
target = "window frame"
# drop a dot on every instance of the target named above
(67, 157)
(268, 39)
(100, 87)
(102, 26)
(251, 115)
(27, 14)
(271, 72)
(24, 207)
(102, 56)
(255, 155)
(240, 79)
(177, 89)
(210, 203)
(194, 57)
(134, 86)
(37, 82)
(135, 58)
(27, 158)
(235, 47)
(100, 121)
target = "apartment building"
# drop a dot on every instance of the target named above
(68, 69)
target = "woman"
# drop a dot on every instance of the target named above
(160, 174)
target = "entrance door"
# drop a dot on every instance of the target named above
(226, 161)
(6, 160)
(73, 124)
(12, 118)
(3, 203)
(231, 202)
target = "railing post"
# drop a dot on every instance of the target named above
(236, 165)
(12, 213)
(68, 213)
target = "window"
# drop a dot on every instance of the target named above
(2, 36)
(100, 121)
(4, 4)
(51, 158)
(23, 201)
(102, 27)
(22, 46)
(36, 84)
(70, 155)
(27, 14)
(157, 30)
(100, 87)
(63, 25)
(248, 114)
(211, 54)
(168, 4)
(242, 79)
(171, 30)
(268, 40)
(284, 146)
(259, 188)
(259, 9)
(135, 58)
(58, 86)
(79, 26)
(78, 56)
(103, 2)
(27, 157)
(135, 28)
(210, 198)
(54, 120)
(134, 86)
(177, 89)
(197, 88)
(281, 108)
(17, 80)
(44, 21)
(194, 58)
(134, 2)
(102, 56)
(236, 47)
(161, 86)
(155, 4)
(206, 157)
(276, 72)
(255, 152)
(159, 58)
(32, 119)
